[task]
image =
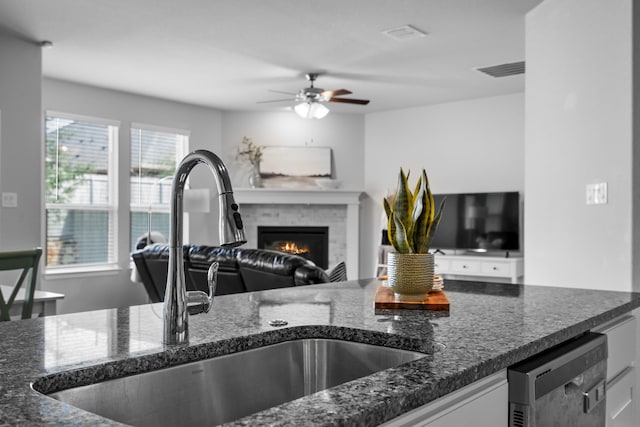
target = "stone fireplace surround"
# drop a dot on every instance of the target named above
(337, 209)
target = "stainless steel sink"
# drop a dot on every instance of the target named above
(226, 388)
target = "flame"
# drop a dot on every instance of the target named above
(293, 248)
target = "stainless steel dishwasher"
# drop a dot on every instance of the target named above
(564, 386)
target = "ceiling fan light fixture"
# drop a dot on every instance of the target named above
(311, 110)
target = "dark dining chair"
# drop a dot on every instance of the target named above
(26, 261)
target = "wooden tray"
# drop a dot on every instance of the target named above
(434, 300)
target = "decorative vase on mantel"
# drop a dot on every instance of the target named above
(410, 275)
(255, 180)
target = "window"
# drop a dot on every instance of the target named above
(80, 190)
(81, 180)
(155, 154)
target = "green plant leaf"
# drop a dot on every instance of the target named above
(430, 204)
(429, 208)
(417, 189)
(387, 207)
(420, 219)
(403, 200)
(401, 241)
(391, 230)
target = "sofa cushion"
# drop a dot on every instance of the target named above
(338, 273)
(267, 269)
(309, 275)
(240, 270)
(267, 260)
(203, 256)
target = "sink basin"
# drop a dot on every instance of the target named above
(229, 387)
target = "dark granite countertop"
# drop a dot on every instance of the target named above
(489, 327)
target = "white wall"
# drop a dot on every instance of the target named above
(467, 146)
(20, 142)
(635, 156)
(87, 292)
(579, 131)
(343, 133)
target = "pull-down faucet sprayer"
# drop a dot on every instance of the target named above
(178, 303)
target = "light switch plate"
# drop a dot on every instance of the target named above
(597, 194)
(601, 194)
(9, 200)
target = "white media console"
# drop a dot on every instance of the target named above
(493, 268)
(489, 267)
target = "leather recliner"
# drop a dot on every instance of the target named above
(240, 270)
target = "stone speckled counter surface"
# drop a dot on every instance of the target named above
(489, 327)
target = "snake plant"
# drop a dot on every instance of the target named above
(412, 221)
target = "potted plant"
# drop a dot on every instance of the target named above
(252, 154)
(412, 223)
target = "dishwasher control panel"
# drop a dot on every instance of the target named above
(562, 386)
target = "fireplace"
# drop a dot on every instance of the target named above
(339, 210)
(311, 243)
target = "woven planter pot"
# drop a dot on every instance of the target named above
(410, 275)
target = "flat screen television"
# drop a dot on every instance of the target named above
(479, 222)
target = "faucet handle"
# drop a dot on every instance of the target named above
(201, 302)
(212, 278)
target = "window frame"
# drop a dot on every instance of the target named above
(184, 137)
(111, 207)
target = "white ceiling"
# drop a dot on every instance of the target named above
(229, 54)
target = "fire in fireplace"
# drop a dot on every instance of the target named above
(309, 242)
(291, 248)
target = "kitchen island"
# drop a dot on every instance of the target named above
(489, 327)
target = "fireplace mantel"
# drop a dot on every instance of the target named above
(310, 197)
(302, 196)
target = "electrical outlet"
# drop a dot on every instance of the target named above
(9, 200)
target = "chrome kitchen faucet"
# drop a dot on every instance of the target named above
(178, 303)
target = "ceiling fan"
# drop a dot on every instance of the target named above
(310, 99)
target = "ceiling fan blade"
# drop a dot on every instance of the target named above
(350, 101)
(337, 92)
(283, 92)
(275, 100)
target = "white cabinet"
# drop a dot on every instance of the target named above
(481, 404)
(622, 408)
(620, 404)
(462, 266)
(465, 266)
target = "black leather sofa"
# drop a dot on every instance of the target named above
(240, 270)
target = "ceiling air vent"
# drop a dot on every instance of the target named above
(504, 70)
(405, 32)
